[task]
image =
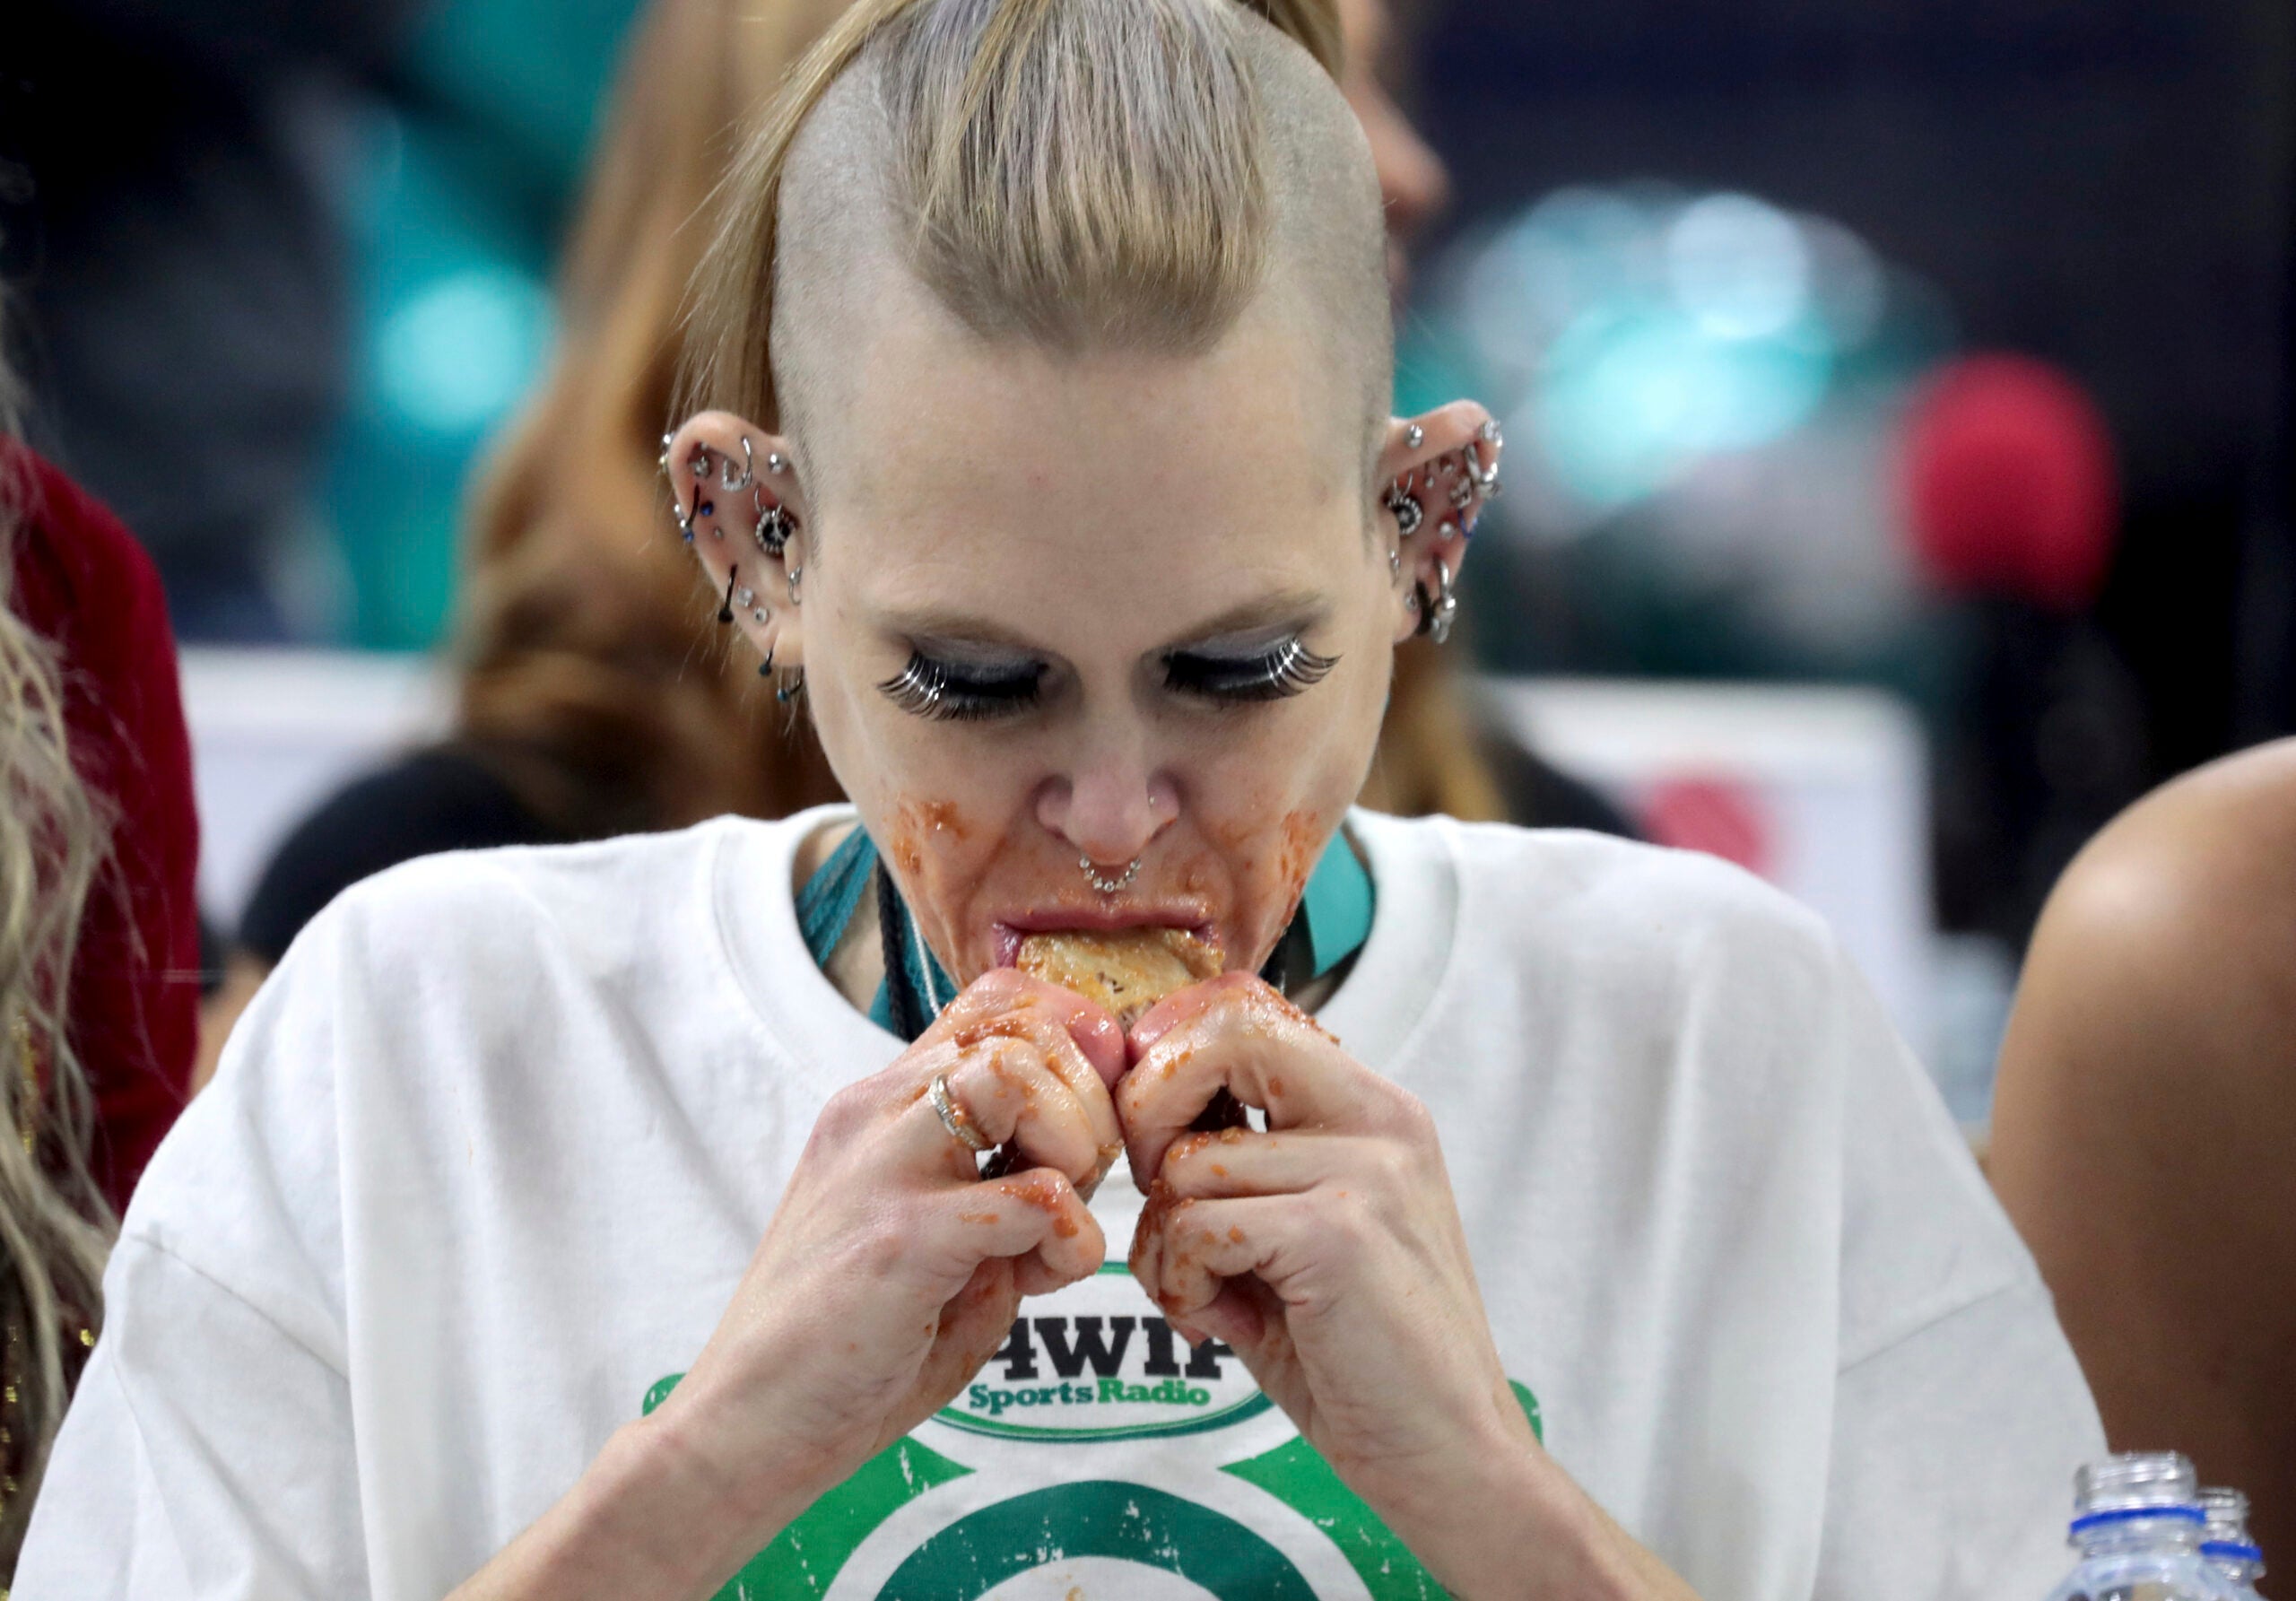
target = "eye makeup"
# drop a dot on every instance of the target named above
(943, 690)
(1277, 673)
(946, 691)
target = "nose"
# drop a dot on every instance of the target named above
(1109, 806)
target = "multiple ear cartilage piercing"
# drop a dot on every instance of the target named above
(774, 526)
(1468, 484)
(775, 522)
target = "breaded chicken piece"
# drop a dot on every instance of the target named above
(1126, 971)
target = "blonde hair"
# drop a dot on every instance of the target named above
(1076, 172)
(591, 678)
(55, 1227)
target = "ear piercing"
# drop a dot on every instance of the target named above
(792, 689)
(1438, 613)
(725, 478)
(725, 606)
(774, 526)
(1414, 436)
(1404, 507)
(796, 574)
(776, 462)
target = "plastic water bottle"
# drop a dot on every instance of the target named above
(2137, 1524)
(2224, 1541)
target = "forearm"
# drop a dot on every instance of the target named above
(1512, 1524)
(651, 1520)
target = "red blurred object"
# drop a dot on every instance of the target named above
(1720, 816)
(84, 583)
(2009, 481)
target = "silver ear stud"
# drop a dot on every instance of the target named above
(1414, 436)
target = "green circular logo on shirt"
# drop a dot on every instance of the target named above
(1100, 1518)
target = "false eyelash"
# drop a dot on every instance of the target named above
(1279, 674)
(926, 687)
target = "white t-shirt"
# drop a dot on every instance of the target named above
(488, 1154)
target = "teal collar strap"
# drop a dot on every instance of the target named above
(1335, 914)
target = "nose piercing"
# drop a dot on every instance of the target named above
(1108, 886)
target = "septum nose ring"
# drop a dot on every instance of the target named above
(1108, 886)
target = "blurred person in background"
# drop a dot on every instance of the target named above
(98, 942)
(2146, 1116)
(183, 272)
(595, 697)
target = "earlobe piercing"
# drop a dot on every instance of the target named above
(1439, 612)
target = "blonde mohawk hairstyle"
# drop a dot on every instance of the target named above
(1078, 174)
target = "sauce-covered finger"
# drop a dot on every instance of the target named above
(1005, 992)
(1001, 1093)
(1240, 1161)
(1237, 1034)
(1036, 1218)
(1202, 1244)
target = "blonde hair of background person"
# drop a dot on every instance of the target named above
(55, 1226)
(2145, 1124)
(592, 679)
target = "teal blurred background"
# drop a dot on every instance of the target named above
(457, 200)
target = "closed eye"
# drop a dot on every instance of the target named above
(1275, 674)
(946, 692)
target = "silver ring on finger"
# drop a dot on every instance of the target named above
(959, 1127)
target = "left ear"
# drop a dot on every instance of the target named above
(1437, 473)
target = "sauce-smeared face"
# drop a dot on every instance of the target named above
(1104, 608)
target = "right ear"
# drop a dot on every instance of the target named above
(734, 493)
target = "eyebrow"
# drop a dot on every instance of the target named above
(1302, 606)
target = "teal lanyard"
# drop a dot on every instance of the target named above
(1335, 914)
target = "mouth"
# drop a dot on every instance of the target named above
(1010, 931)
